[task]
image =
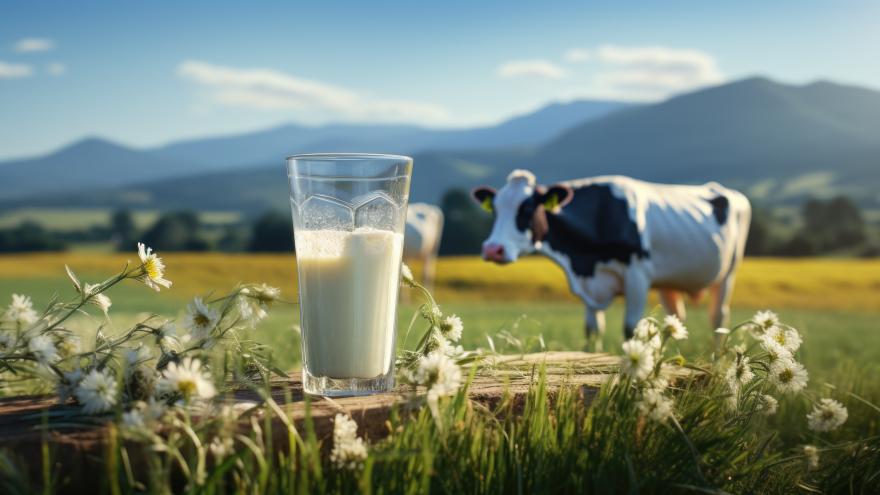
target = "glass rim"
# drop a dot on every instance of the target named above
(331, 157)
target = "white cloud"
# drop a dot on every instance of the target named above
(531, 68)
(56, 69)
(267, 89)
(577, 55)
(27, 45)
(11, 71)
(652, 72)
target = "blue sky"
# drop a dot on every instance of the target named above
(150, 72)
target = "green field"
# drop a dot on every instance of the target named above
(833, 302)
(549, 446)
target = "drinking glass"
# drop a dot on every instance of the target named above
(349, 212)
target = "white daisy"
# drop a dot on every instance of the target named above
(788, 375)
(787, 337)
(186, 379)
(827, 415)
(137, 356)
(765, 320)
(43, 348)
(20, 311)
(644, 330)
(811, 455)
(66, 387)
(100, 300)
(739, 373)
(154, 268)
(655, 405)
(767, 405)
(200, 318)
(406, 274)
(255, 302)
(775, 351)
(435, 312)
(265, 294)
(673, 327)
(7, 341)
(349, 450)
(96, 392)
(647, 332)
(451, 327)
(133, 418)
(439, 374)
(638, 359)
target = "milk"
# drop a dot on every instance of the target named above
(348, 285)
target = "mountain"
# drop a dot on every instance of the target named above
(746, 132)
(777, 142)
(95, 164)
(87, 164)
(271, 145)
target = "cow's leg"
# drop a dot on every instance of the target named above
(673, 303)
(635, 290)
(720, 306)
(595, 329)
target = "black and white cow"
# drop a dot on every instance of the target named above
(615, 235)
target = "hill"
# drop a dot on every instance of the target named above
(818, 138)
(777, 142)
(85, 165)
(271, 145)
(93, 164)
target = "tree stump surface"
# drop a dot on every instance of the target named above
(78, 449)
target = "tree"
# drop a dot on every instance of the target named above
(29, 236)
(836, 223)
(123, 230)
(176, 231)
(466, 225)
(273, 232)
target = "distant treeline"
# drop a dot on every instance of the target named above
(822, 227)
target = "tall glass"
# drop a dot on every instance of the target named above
(349, 212)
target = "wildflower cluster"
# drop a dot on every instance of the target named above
(644, 368)
(147, 367)
(349, 450)
(763, 366)
(436, 362)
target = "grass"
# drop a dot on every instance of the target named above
(832, 301)
(547, 446)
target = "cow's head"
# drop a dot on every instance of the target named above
(520, 214)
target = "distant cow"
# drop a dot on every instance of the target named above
(615, 235)
(424, 229)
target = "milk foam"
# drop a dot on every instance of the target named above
(348, 284)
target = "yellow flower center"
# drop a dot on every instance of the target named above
(151, 268)
(201, 319)
(780, 337)
(186, 387)
(786, 375)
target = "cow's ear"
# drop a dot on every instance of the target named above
(557, 196)
(484, 196)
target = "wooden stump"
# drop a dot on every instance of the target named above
(79, 450)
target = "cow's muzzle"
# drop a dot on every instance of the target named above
(495, 253)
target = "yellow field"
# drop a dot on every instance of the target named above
(833, 284)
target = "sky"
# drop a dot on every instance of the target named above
(147, 73)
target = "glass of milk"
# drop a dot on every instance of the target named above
(349, 212)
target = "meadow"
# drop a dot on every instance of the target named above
(546, 446)
(833, 302)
